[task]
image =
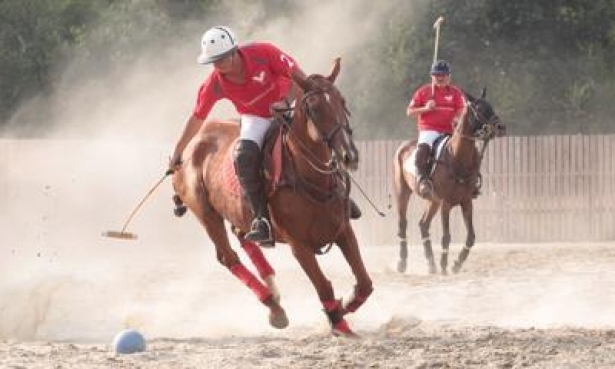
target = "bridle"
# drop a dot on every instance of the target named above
(341, 120)
(333, 167)
(486, 124)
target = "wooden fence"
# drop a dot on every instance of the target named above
(535, 189)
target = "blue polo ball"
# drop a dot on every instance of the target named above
(128, 341)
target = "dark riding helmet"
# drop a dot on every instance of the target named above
(440, 67)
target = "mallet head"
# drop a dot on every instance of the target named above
(121, 235)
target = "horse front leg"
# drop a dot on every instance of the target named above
(466, 209)
(349, 246)
(424, 225)
(264, 269)
(214, 225)
(445, 213)
(332, 307)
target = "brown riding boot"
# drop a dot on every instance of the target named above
(424, 184)
(248, 162)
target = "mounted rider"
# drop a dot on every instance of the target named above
(438, 106)
(257, 79)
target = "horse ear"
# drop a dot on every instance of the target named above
(335, 71)
(469, 96)
(300, 81)
(483, 93)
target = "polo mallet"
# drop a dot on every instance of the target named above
(131, 236)
(436, 26)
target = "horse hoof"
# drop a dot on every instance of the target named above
(456, 269)
(444, 272)
(401, 266)
(433, 270)
(342, 329)
(278, 319)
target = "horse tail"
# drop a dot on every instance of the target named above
(399, 182)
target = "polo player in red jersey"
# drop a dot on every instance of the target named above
(256, 78)
(438, 106)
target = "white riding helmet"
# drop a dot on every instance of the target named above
(216, 43)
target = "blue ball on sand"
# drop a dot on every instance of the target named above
(128, 341)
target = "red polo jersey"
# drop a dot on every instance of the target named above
(449, 101)
(267, 70)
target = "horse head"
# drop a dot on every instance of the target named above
(484, 122)
(327, 116)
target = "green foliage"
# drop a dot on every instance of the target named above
(33, 34)
(547, 64)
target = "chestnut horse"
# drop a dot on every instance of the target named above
(309, 207)
(456, 178)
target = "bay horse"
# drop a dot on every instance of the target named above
(456, 178)
(309, 204)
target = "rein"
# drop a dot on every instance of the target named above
(332, 173)
(328, 136)
(330, 168)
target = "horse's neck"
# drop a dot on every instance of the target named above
(461, 144)
(310, 155)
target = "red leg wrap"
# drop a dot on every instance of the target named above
(241, 272)
(331, 305)
(355, 304)
(342, 328)
(258, 258)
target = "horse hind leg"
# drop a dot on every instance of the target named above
(466, 209)
(424, 225)
(403, 197)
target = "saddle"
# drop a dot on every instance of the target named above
(275, 174)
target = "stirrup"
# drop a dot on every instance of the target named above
(260, 232)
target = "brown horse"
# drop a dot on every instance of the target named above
(456, 178)
(309, 204)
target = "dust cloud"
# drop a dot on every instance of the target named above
(61, 281)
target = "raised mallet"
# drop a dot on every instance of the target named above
(436, 26)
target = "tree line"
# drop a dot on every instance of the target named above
(547, 64)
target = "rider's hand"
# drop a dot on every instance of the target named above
(279, 106)
(174, 164)
(430, 105)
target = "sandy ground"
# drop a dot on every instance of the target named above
(537, 306)
(65, 291)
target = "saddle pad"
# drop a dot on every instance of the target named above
(231, 182)
(410, 163)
